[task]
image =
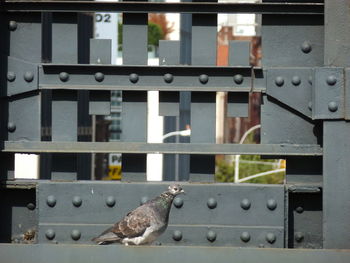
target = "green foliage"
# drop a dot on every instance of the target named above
(225, 170)
(155, 33)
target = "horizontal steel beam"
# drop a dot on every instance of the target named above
(170, 254)
(155, 7)
(163, 78)
(166, 148)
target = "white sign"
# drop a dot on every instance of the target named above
(106, 27)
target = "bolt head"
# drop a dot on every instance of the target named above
(143, 200)
(51, 201)
(75, 234)
(245, 204)
(310, 80)
(11, 76)
(134, 78)
(331, 80)
(168, 78)
(28, 76)
(299, 237)
(309, 105)
(299, 209)
(333, 106)
(203, 79)
(279, 81)
(245, 236)
(31, 206)
(177, 235)
(271, 204)
(296, 80)
(64, 76)
(271, 238)
(211, 236)
(178, 202)
(110, 201)
(212, 203)
(77, 201)
(12, 25)
(11, 126)
(238, 79)
(306, 47)
(50, 234)
(99, 76)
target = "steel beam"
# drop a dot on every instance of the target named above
(147, 254)
(156, 7)
(181, 148)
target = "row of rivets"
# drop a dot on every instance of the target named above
(77, 201)
(27, 76)
(178, 202)
(211, 236)
(134, 78)
(75, 234)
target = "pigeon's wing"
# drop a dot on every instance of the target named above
(134, 224)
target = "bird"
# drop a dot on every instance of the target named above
(144, 224)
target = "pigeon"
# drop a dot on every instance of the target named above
(144, 224)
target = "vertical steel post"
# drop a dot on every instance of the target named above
(336, 143)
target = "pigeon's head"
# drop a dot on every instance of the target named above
(175, 189)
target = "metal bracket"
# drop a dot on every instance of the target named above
(328, 94)
(22, 76)
(291, 86)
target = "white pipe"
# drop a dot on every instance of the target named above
(237, 157)
(261, 174)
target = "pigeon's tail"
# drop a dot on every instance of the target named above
(106, 237)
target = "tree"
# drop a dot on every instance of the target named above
(166, 26)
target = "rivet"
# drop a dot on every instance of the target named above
(309, 105)
(143, 200)
(31, 206)
(177, 235)
(168, 78)
(64, 76)
(245, 204)
(211, 203)
(271, 238)
(75, 234)
(238, 79)
(310, 80)
(28, 76)
(77, 201)
(271, 204)
(333, 106)
(211, 236)
(299, 237)
(99, 76)
(110, 201)
(12, 25)
(11, 76)
(331, 80)
(306, 47)
(299, 209)
(203, 78)
(51, 201)
(11, 126)
(279, 81)
(245, 236)
(134, 77)
(50, 234)
(296, 80)
(178, 202)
